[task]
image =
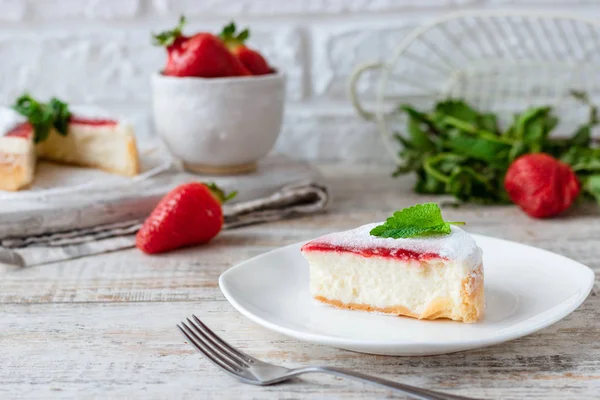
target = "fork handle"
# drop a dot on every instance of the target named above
(415, 392)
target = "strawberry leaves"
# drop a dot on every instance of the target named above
(44, 116)
(220, 193)
(167, 38)
(418, 220)
(229, 36)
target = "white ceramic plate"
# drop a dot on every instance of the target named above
(526, 290)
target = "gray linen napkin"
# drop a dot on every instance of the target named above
(291, 200)
(40, 226)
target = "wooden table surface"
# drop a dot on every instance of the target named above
(104, 326)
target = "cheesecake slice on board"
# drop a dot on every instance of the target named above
(86, 141)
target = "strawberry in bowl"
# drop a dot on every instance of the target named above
(201, 55)
(217, 103)
(252, 60)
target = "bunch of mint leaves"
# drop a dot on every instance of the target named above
(457, 150)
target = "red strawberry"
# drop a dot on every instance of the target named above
(251, 59)
(541, 185)
(201, 55)
(189, 214)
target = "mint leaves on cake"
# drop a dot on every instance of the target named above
(44, 116)
(418, 220)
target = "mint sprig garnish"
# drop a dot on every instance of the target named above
(44, 116)
(418, 220)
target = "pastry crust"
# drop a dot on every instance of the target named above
(470, 310)
(17, 167)
(133, 166)
(15, 176)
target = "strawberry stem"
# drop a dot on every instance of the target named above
(167, 38)
(220, 193)
(230, 38)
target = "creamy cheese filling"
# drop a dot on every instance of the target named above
(90, 145)
(14, 145)
(386, 282)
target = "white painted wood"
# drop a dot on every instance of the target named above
(104, 327)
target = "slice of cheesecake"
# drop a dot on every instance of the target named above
(96, 142)
(437, 276)
(17, 158)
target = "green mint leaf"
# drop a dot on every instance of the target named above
(41, 133)
(404, 142)
(531, 125)
(429, 184)
(418, 220)
(583, 159)
(43, 117)
(518, 149)
(592, 187)
(419, 116)
(488, 122)
(466, 183)
(457, 109)
(418, 137)
(479, 148)
(61, 115)
(582, 137)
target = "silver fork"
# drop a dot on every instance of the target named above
(250, 370)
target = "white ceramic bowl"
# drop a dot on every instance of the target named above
(219, 125)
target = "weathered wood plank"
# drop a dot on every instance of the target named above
(128, 350)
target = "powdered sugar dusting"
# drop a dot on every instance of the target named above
(90, 111)
(9, 118)
(458, 246)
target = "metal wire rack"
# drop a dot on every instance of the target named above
(499, 61)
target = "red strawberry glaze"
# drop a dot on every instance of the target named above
(92, 121)
(385, 252)
(23, 130)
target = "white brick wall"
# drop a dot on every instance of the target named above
(99, 51)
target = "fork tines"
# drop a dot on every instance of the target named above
(214, 348)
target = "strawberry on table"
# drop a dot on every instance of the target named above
(541, 185)
(251, 59)
(189, 214)
(201, 55)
